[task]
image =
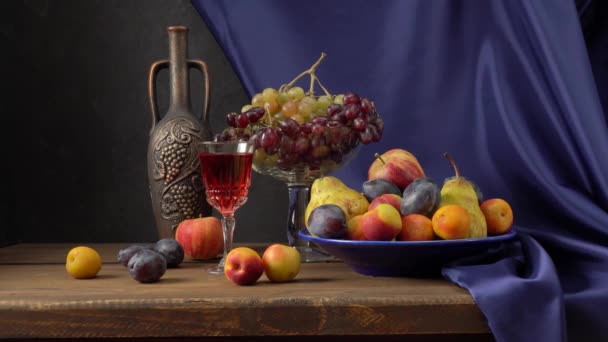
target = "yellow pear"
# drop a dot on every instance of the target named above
(325, 184)
(331, 190)
(458, 190)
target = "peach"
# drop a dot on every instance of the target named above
(398, 166)
(354, 230)
(281, 263)
(498, 214)
(451, 222)
(391, 199)
(202, 238)
(416, 227)
(243, 266)
(383, 223)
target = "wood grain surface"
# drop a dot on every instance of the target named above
(39, 299)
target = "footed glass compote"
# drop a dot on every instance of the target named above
(299, 177)
(300, 137)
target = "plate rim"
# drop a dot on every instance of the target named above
(304, 233)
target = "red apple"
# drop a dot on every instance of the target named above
(243, 266)
(382, 223)
(281, 263)
(391, 199)
(397, 166)
(202, 237)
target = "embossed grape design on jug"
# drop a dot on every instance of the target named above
(176, 188)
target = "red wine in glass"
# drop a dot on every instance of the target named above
(226, 177)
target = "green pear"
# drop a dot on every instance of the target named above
(458, 190)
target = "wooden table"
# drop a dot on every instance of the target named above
(38, 299)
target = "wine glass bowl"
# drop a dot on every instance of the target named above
(226, 175)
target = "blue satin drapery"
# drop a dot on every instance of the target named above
(506, 87)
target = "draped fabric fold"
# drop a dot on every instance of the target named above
(507, 88)
(521, 269)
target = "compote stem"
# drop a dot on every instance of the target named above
(228, 229)
(299, 194)
(298, 200)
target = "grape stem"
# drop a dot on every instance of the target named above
(320, 85)
(311, 72)
(267, 117)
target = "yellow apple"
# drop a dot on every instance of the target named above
(281, 263)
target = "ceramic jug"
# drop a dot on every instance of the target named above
(174, 173)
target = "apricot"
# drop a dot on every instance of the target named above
(416, 227)
(83, 262)
(498, 214)
(451, 222)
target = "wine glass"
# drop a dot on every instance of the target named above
(226, 174)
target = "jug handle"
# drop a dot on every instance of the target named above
(202, 67)
(154, 69)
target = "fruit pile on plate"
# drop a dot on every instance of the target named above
(399, 202)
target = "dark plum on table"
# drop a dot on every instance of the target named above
(147, 266)
(125, 254)
(171, 250)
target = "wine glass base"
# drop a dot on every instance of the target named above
(217, 269)
(308, 254)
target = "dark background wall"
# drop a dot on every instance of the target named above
(76, 118)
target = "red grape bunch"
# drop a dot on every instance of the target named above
(294, 129)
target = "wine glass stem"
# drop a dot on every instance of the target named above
(228, 228)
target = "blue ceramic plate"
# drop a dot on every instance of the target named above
(404, 258)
